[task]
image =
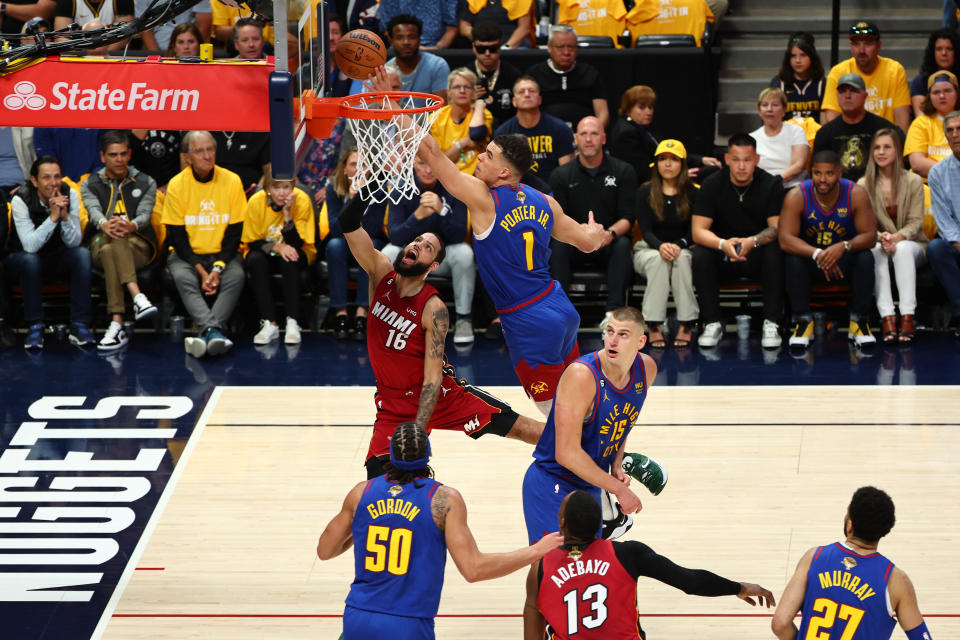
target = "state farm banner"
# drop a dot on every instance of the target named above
(151, 93)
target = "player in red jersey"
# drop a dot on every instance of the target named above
(587, 588)
(406, 329)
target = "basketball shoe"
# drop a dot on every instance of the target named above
(615, 521)
(647, 470)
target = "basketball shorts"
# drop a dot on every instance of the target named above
(460, 407)
(542, 340)
(360, 624)
(542, 494)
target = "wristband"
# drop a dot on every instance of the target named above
(720, 244)
(613, 233)
(219, 265)
(919, 632)
(816, 252)
(756, 243)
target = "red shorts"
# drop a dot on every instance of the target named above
(541, 383)
(460, 407)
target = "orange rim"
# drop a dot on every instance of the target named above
(348, 110)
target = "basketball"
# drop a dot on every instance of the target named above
(359, 52)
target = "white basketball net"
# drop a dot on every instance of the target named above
(386, 146)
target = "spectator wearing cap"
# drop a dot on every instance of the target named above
(571, 90)
(943, 252)
(606, 186)
(850, 134)
(926, 144)
(885, 81)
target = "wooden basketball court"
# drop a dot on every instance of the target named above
(757, 476)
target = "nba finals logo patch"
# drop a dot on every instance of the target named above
(521, 196)
(849, 563)
(575, 553)
(395, 490)
(538, 388)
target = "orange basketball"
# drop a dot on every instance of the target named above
(359, 52)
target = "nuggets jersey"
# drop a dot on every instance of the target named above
(587, 593)
(847, 596)
(398, 550)
(824, 228)
(513, 256)
(395, 336)
(605, 429)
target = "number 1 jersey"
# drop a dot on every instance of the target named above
(398, 550)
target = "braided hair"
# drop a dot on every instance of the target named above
(409, 442)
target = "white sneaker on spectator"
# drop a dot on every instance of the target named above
(114, 338)
(267, 334)
(711, 335)
(771, 335)
(291, 334)
(463, 334)
(142, 307)
(606, 319)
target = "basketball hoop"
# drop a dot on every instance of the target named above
(388, 126)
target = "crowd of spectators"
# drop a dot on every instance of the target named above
(203, 206)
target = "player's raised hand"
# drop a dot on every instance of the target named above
(764, 596)
(596, 231)
(377, 81)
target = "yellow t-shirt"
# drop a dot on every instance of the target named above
(263, 223)
(206, 209)
(593, 17)
(886, 87)
(926, 136)
(669, 17)
(445, 131)
(224, 16)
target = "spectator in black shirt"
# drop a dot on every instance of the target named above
(156, 152)
(734, 225)
(606, 186)
(116, 12)
(515, 20)
(246, 153)
(801, 77)
(850, 134)
(664, 254)
(570, 91)
(495, 77)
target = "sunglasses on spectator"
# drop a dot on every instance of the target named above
(486, 48)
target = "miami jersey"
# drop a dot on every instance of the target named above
(824, 228)
(398, 550)
(847, 596)
(513, 255)
(605, 429)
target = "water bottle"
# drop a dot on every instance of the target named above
(543, 31)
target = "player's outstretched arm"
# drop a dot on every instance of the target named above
(474, 565)
(903, 599)
(361, 246)
(436, 323)
(338, 536)
(588, 236)
(792, 600)
(468, 189)
(534, 623)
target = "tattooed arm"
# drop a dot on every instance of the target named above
(450, 514)
(436, 322)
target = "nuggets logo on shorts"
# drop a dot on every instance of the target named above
(539, 387)
(849, 563)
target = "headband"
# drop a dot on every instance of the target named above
(409, 465)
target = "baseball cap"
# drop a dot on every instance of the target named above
(854, 80)
(942, 76)
(864, 28)
(671, 146)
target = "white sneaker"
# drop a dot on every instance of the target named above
(267, 334)
(711, 335)
(195, 346)
(291, 334)
(114, 338)
(142, 307)
(771, 335)
(606, 319)
(463, 334)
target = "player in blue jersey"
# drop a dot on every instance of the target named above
(827, 230)
(598, 401)
(847, 590)
(401, 526)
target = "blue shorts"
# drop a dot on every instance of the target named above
(542, 340)
(542, 494)
(360, 624)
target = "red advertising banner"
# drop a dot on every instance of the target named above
(151, 93)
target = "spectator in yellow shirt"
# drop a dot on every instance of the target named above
(279, 231)
(888, 95)
(463, 127)
(926, 144)
(203, 214)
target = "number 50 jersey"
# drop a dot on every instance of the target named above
(398, 550)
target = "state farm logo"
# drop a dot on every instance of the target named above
(24, 95)
(70, 96)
